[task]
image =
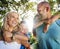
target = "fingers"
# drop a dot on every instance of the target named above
(46, 28)
(21, 37)
(25, 43)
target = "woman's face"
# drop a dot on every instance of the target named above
(13, 19)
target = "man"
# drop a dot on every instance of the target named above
(48, 28)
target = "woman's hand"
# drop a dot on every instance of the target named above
(7, 36)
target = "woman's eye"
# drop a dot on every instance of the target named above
(17, 18)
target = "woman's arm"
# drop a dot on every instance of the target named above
(7, 36)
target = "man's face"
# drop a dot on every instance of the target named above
(13, 19)
(42, 12)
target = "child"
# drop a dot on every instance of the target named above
(24, 31)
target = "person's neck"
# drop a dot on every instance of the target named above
(47, 20)
(10, 28)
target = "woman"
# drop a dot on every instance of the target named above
(8, 39)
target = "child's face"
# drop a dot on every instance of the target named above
(23, 28)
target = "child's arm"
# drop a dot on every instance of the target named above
(22, 39)
(38, 24)
(50, 21)
(55, 17)
(26, 44)
(37, 21)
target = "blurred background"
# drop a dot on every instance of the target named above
(26, 8)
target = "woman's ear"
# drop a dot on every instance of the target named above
(47, 9)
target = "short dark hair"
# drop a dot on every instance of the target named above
(46, 4)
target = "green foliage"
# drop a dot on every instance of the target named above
(58, 12)
(24, 1)
(51, 2)
(2, 12)
(58, 1)
(0, 25)
(30, 6)
(32, 40)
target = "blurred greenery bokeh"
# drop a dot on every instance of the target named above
(23, 5)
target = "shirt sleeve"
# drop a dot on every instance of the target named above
(58, 22)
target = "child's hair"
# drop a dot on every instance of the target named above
(22, 26)
(22, 22)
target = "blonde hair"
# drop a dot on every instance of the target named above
(5, 21)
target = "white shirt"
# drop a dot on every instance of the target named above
(12, 45)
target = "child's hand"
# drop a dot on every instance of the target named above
(46, 28)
